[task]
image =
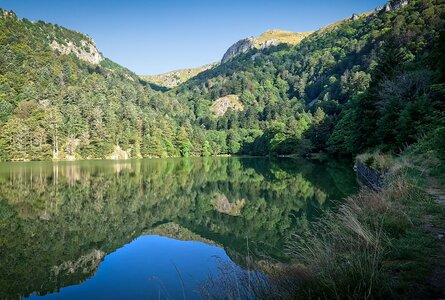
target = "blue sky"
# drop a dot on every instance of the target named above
(151, 37)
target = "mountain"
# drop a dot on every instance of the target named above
(265, 40)
(174, 78)
(372, 81)
(61, 99)
(61, 41)
(335, 90)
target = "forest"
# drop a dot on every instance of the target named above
(370, 87)
(375, 82)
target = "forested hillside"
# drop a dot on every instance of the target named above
(55, 104)
(374, 81)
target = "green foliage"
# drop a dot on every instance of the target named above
(65, 211)
(371, 77)
(371, 83)
(378, 245)
(60, 107)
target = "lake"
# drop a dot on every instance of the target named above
(153, 228)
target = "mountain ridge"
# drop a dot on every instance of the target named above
(174, 78)
(272, 37)
(294, 98)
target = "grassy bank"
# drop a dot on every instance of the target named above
(377, 245)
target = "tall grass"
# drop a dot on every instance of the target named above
(341, 255)
(372, 247)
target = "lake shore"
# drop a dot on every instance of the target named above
(379, 244)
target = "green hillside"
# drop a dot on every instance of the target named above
(370, 87)
(60, 99)
(373, 81)
(367, 82)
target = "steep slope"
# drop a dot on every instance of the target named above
(60, 40)
(265, 40)
(370, 81)
(294, 96)
(174, 78)
(61, 99)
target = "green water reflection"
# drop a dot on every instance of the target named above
(58, 220)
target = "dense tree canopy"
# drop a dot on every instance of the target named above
(376, 82)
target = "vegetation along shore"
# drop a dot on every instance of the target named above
(369, 90)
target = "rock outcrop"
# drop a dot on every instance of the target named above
(7, 13)
(222, 204)
(268, 39)
(355, 17)
(86, 51)
(394, 5)
(221, 105)
(238, 48)
(86, 264)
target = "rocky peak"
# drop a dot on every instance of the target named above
(394, 5)
(239, 47)
(267, 39)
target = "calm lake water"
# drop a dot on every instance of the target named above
(152, 229)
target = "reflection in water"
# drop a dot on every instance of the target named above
(223, 205)
(59, 220)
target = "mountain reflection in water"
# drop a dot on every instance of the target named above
(149, 228)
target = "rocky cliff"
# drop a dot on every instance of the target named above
(86, 51)
(239, 47)
(268, 39)
(61, 40)
(395, 5)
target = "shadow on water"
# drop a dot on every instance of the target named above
(60, 221)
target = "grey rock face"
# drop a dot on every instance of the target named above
(239, 47)
(245, 45)
(87, 51)
(394, 5)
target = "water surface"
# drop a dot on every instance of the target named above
(159, 228)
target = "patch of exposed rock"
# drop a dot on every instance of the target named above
(221, 105)
(8, 13)
(86, 264)
(355, 17)
(395, 5)
(223, 205)
(86, 51)
(242, 46)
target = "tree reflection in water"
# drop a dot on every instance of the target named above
(58, 220)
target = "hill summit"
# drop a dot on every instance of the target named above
(267, 39)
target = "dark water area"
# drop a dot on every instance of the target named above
(152, 228)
